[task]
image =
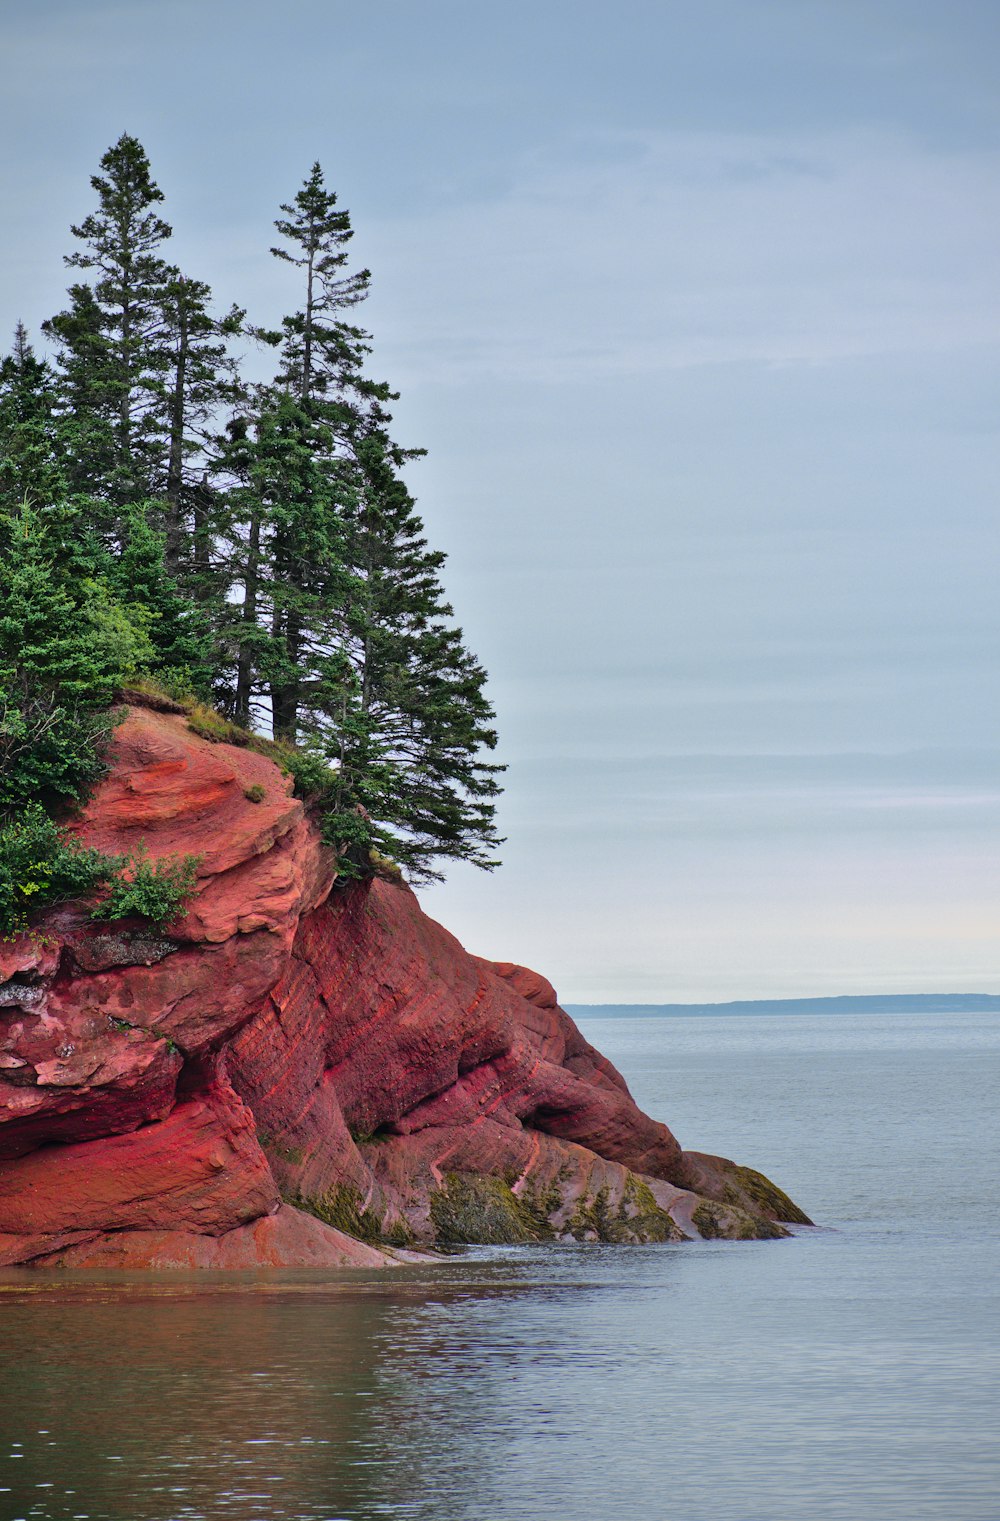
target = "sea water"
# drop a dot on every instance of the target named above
(848, 1374)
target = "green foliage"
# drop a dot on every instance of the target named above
(361, 654)
(210, 725)
(176, 628)
(316, 342)
(40, 865)
(176, 682)
(65, 645)
(113, 355)
(315, 780)
(49, 753)
(154, 890)
(291, 561)
(201, 378)
(169, 691)
(31, 450)
(254, 550)
(61, 630)
(383, 866)
(255, 793)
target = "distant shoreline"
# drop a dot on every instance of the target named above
(876, 1003)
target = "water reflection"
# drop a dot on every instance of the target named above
(191, 1401)
(272, 1396)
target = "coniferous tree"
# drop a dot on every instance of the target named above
(318, 346)
(294, 527)
(421, 720)
(145, 371)
(177, 628)
(65, 644)
(290, 559)
(202, 380)
(30, 448)
(114, 352)
(53, 633)
(388, 688)
(131, 528)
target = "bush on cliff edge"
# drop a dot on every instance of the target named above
(66, 643)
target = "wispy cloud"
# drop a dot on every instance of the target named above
(655, 250)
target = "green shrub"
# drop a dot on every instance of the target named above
(40, 864)
(50, 753)
(155, 890)
(383, 866)
(315, 779)
(347, 829)
(255, 794)
(177, 682)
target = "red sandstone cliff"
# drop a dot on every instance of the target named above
(300, 1075)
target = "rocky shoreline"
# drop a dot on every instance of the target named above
(301, 1072)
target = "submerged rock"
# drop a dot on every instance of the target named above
(293, 1075)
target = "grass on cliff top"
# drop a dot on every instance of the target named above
(315, 780)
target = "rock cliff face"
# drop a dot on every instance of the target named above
(302, 1073)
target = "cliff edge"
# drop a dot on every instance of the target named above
(303, 1073)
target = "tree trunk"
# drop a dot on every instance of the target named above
(285, 694)
(251, 582)
(175, 461)
(308, 335)
(201, 505)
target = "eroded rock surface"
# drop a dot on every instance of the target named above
(301, 1074)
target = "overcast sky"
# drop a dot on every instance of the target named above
(696, 308)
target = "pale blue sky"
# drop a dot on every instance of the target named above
(696, 309)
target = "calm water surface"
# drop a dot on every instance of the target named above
(848, 1373)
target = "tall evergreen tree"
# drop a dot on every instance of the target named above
(289, 557)
(412, 743)
(177, 628)
(128, 528)
(295, 476)
(114, 353)
(376, 672)
(201, 381)
(318, 346)
(59, 627)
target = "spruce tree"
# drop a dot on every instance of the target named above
(294, 529)
(30, 447)
(421, 721)
(376, 673)
(129, 528)
(62, 627)
(177, 628)
(114, 353)
(66, 643)
(288, 556)
(318, 347)
(202, 380)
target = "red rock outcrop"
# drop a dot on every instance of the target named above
(290, 1068)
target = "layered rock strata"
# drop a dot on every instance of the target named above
(299, 1072)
